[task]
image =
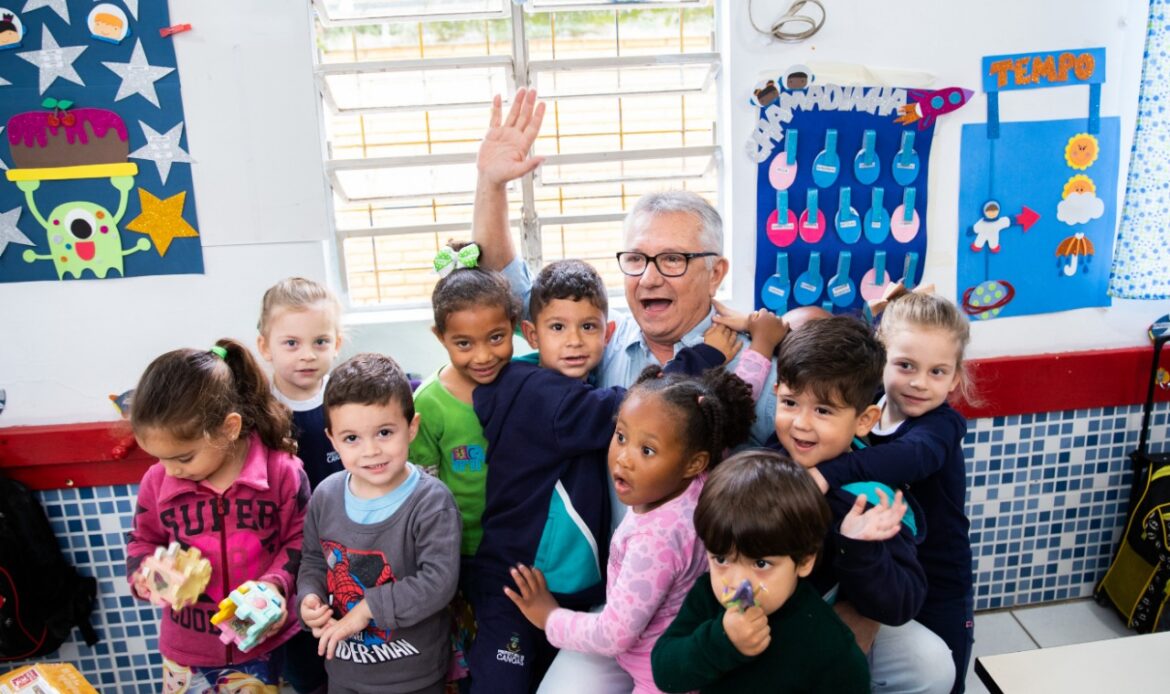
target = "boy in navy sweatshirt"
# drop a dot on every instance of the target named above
(547, 501)
(827, 375)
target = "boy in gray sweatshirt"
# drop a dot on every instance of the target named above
(381, 547)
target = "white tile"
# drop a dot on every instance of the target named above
(1079, 621)
(995, 633)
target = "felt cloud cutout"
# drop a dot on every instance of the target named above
(1079, 208)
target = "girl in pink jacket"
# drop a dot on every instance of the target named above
(227, 483)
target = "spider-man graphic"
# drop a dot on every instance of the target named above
(351, 573)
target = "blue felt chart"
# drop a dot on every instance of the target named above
(95, 178)
(1028, 167)
(846, 168)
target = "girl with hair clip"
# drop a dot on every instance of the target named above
(228, 483)
(918, 447)
(670, 430)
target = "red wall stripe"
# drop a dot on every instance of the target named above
(104, 453)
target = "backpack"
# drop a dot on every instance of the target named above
(1138, 579)
(41, 596)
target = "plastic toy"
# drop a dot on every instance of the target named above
(249, 611)
(744, 596)
(174, 576)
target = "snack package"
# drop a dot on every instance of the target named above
(45, 678)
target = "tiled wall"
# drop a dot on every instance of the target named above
(1047, 499)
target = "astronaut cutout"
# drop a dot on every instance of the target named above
(987, 229)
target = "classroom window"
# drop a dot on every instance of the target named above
(406, 86)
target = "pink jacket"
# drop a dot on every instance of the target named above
(250, 531)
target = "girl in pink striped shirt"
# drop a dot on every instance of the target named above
(670, 431)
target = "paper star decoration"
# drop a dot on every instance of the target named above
(138, 76)
(8, 231)
(3, 166)
(131, 5)
(57, 6)
(162, 220)
(163, 150)
(53, 60)
(4, 82)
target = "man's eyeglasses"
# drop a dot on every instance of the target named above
(634, 264)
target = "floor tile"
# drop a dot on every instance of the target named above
(995, 632)
(1066, 623)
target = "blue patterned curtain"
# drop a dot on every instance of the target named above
(1141, 263)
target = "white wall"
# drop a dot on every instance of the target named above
(251, 114)
(251, 121)
(947, 40)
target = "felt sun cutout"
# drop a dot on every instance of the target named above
(1078, 184)
(1081, 151)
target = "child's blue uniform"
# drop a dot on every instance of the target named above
(547, 506)
(924, 456)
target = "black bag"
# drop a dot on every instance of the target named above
(1138, 579)
(41, 596)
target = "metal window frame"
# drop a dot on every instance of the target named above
(518, 70)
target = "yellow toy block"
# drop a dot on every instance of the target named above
(174, 576)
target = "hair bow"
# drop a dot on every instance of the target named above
(448, 260)
(894, 291)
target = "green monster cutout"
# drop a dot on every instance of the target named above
(83, 235)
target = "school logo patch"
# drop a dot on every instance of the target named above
(511, 654)
(467, 458)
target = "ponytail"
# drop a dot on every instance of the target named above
(716, 410)
(190, 392)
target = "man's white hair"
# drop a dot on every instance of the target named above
(652, 204)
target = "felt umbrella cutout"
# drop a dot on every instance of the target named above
(782, 222)
(782, 171)
(1070, 250)
(847, 221)
(812, 220)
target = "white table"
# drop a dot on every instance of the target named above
(1127, 664)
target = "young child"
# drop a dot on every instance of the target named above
(827, 374)
(475, 316)
(300, 333)
(921, 451)
(670, 430)
(381, 550)
(762, 520)
(547, 501)
(226, 482)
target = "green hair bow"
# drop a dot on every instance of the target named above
(448, 260)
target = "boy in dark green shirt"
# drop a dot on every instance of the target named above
(752, 624)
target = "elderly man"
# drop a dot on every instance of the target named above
(672, 258)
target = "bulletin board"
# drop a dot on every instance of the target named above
(841, 189)
(96, 175)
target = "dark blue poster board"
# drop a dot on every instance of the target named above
(846, 254)
(96, 179)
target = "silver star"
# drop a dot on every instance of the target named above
(131, 5)
(138, 76)
(4, 82)
(163, 150)
(57, 6)
(8, 231)
(3, 166)
(53, 60)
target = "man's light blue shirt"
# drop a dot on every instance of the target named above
(627, 353)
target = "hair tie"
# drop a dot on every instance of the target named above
(219, 352)
(895, 291)
(448, 259)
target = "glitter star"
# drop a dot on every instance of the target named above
(163, 150)
(53, 60)
(8, 231)
(162, 220)
(138, 76)
(57, 6)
